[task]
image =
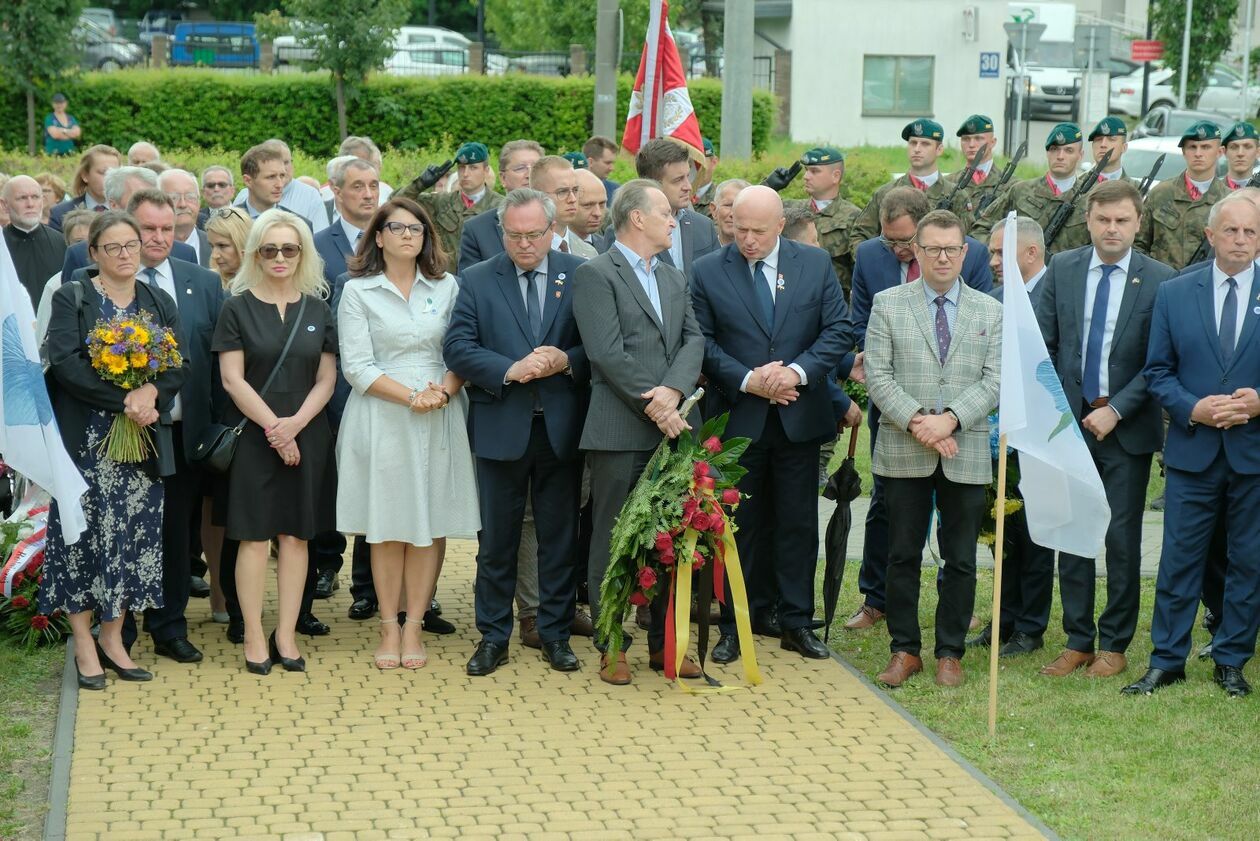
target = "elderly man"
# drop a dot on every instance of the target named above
(555, 176)
(37, 250)
(481, 237)
(181, 188)
(723, 203)
(217, 187)
(592, 208)
(142, 152)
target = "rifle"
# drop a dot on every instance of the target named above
(779, 178)
(991, 193)
(963, 179)
(1145, 186)
(1083, 185)
(432, 174)
(1201, 253)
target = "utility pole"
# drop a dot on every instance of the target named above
(607, 43)
(1245, 111)
(1185, 56)
(737, 80)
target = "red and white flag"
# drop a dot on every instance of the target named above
(660, 105)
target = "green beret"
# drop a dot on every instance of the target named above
(822, 155)
(923, 127)
(577, 159)
(1109, 127)
(708, 147)
(1063, 134)
(1241, 131)
(472, 153)
(1202, 130)
(975, 124)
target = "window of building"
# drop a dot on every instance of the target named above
(897, 85)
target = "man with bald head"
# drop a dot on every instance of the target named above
(142, 152)
(775, 324)
(37, 250)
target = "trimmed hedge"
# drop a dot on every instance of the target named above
(190, 108)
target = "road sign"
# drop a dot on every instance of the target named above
(990, 65)
(1146, 50)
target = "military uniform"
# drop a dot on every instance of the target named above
(704, 204)
(968, 197)
(1173, 220)
(867, 224)
(449, 210)
(833, 222)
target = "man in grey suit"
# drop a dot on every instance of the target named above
(645, 349)
(694, 236)
(1095, 314)
(933, 351)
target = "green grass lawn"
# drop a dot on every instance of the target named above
(29, 686)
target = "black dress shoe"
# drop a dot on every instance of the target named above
(1230, 678)
(326, 584)
(198, 588)
(89, 681)
(560, 655)
(804, 643)
(767, 625)
(435, 624)
(1020, 643)
(312, 627)
(1154, 679)
(1205, 652)
(984, 639)
(291, 664)
(136, 674)
(726, 650)
(362, 609)
(236, 631)
(488, 657)
(178, 649)
(1208, 619)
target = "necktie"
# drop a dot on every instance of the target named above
(942, 328)
(531, 304)
(912, 270)
(1229, 321)
(1195, 193)
(919, 183)
(763, 291)
(564, 247)
(978, 177)
(468, 203)
(150, 276)
(813, 206)
(1091, 388)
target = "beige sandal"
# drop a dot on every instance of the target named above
(384, 662)
(415, 659)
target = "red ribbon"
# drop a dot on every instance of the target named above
(1054, 188)
(468, 203)
(918, 183)
(1195, 195)
(978, 177)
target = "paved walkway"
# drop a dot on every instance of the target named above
(346, 752)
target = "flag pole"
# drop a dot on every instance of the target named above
(995, 636)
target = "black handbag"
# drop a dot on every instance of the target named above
(217, 445)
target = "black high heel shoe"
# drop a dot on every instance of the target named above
(136, 674)
(296, 664)
(263, 668)
(89, 681)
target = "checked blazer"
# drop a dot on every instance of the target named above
(904, 377)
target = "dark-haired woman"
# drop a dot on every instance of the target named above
(406, 471)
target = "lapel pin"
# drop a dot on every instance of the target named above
(557, 293)
(779, 285)
(1136, 281)
(1256, 310)
(560, 277)
(188, 291)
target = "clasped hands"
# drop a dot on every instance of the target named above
(433, 397)
(1225, 410)
(936, 432)
(282, 436)
(662, 409)
(140, 404)
(774, 381)
(543, 362)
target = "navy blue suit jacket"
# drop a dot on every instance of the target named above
(482, 238)
(58, 211)
(811, 328)
(1184, 363)
(489, 331)
(77, 257)
(334, 249)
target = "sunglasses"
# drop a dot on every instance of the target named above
(217, 185)
(289, 251)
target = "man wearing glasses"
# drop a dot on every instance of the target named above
(933, 353)
(181, 188)
(482, 238)
(555, 176)
(217, 189)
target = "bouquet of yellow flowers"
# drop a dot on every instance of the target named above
(129, 351)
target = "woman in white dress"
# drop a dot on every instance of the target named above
(406, 479)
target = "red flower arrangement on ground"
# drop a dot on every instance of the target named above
(20, 619)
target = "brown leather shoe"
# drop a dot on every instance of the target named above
(690, 668)
(865, 617)
(949, 672)
(529, 632)
(901, 667)
(1067, 662)
(581, 626)
(1107, 664)
(620, 672)
(643, 617)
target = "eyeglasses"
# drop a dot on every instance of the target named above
(217, 185)
(114, 249)
(527, 236)
(520, 169)
(935, 251)
(565, 192)
(229, 212)
(190, 198)
(896, 243)
(270, 252)
(398, 229)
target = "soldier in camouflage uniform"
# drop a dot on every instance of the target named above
(976, 131)
(1176, 210)
(1242, 147)
(704, 193)
(1039, 198)
(923, 147)
(1110, 135)
(833, 216)
(451, 210)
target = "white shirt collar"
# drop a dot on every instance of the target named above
(929, 179)
(1244, 278)
(557, 238)
(351, 232)
(985, 167)
(1123, 263)
(476, 197)
(90, 201)
(822, 204)
(1201, 186)
(770, 261)
(541, 268)
(1112, 176)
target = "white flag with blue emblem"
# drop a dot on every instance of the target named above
(1064, 501)
(29, 440)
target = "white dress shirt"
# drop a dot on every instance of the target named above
(770, 276)
(194, 242)
(675, 243)
(166, 282)
(1115, 293)
(352, 233)
(646, 273)
(1220, 287)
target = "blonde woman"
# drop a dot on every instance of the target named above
(227, 229)
(282, 483)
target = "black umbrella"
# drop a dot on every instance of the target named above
(842, 487)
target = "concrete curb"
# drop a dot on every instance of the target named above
(63, 747)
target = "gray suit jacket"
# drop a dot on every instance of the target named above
(699, 237)
(1061, 314)
(203, 249)
(629, 350)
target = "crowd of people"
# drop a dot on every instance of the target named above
(451, 361)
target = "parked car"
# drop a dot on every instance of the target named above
(1224, 92)
(104, 18)
(1168, 121)
(214, 44)
(160, 21)
(290, 49)
(410, 37)
(427, 61)
(98, 50)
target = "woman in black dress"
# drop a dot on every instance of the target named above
(282, 483)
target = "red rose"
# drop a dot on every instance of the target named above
(39, 622)
(717, 525)
(647, 578)
(730, 496)
(713, 445)
(698, 559)
(701, 468)
(705, 483)
(700, 522)
(21, 601)
(667, 560)
(690, 507)
(664, 542)
(638, 598)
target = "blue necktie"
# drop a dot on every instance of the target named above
(763, 292)
(942, 328)
(531, 304)
(1091, 389)
(150, 276)
(1229, 321)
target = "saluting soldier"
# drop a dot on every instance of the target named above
(451, 210)
(1039, 198)
(833, 216)
(1177, 210)
(1110, 135)
(1242, 147)
(975, 132)
(703, 192)
(923, 147)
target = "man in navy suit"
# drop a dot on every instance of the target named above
(482, 237)
(880, 263)
(1202, 366)
(513, 337)
(775, 325)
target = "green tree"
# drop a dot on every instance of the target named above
(33, 39)
(1211, 31)
(350, 38)
(545, 25)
